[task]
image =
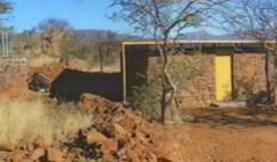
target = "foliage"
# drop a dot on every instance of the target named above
(164, 20)
(185, 68)
(56, 38)
(146, 101)
(100, 48)
(27, 43)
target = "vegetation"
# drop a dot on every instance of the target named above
(146, 98)
(165, 21)
(57, 39)
(146, 101)
(53, 31)
(23, 123)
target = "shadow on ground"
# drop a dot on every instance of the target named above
(246, 117)
(71, 84)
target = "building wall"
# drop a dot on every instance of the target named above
(136, 67)
(248, 76)
(196, 92)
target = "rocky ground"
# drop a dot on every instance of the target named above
(117, 134)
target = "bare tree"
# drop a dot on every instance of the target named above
(164, 20)
(106, 46)
(53, 31)
(257, 20)
(99, 37)
(5, 7)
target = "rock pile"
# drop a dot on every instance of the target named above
(116, 135)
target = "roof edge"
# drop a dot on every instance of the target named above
(197, 42)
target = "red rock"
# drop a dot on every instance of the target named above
(110, 145)
(96, 138)
(18, 155)
(55, 155)
(38, 153)
(120, 132)
(167, 151)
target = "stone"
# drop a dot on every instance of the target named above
(37, 153)
(120, 132)
(18, 155)
(110, 145)
(167, 151)
(96, 138)
(55, 155)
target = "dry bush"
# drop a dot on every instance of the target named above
(22, 123)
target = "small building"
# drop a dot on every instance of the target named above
(235, 70)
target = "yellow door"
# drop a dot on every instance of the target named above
(223, 78)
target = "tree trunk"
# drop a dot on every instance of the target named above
(101, 66)
(168, 87)
(163, 105)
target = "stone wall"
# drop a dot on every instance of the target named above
(197, 92)
(249, 75)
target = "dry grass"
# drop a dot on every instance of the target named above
(42, 60)
(22, 123)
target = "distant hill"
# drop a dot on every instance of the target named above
(204, 35)
(93, 34)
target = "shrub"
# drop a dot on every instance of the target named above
(145, 100)
(22, 123)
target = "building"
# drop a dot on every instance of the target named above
(235, 70)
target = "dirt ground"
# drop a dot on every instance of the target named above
(207, 143)
(211, 135)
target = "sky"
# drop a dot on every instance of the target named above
(81, 14)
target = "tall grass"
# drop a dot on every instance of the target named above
(22, 123)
